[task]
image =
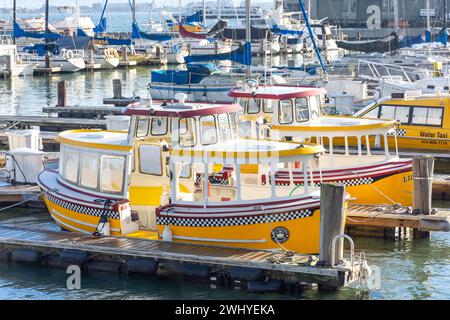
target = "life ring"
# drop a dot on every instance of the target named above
(69, 54)
(63, 52)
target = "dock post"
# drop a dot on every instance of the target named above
(423, 168)
(124, 53)
(117, 88)
(62, 99)
(332, 221)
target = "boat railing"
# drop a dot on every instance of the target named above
(378, 69)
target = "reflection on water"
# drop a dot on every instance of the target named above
(418, 269)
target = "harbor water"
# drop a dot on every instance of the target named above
(409, 269)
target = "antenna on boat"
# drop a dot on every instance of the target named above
(316, 49)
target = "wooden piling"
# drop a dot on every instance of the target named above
(62, 99)
(117, 88)
(124, 53)
(423, 168)
(332, 221)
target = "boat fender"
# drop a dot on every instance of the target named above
(116, 53)
(192, 270)
(25, 255)
(167, 234)
(53, 261)
(105, 52)
(70, 256)
(247, 274)
(140, 265)
(69, 54)
(63, 52)
(264, 286)
(104, 266)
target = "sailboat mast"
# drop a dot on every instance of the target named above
(14, 21)
(311, 34)
(204, 12)
(248, 33)
(46, 18)
(427, 6)
(396, 16)
(445, 14)
(219, 10)
(77, 14)
(133, 17)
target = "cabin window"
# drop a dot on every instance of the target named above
(150, 159)
(253, 106)
(373, 113)
(112, 174)
(224, 127)
(208, 130)
(267, 106)
(89, 171)
(142, 127)
(427, 116)
(186, 128)
(315, 108)
(399, 113)
(301, 110)
(159, 126)
(285, 113)
(71, 166)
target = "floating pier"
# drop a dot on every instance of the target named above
(58, 124)
(256, 270)
(48, 71)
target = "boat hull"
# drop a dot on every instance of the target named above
(296, 229)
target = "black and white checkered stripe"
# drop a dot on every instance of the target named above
(350, 182)
(237, 221)
(97, 212)
(400, 132)
(223, 182)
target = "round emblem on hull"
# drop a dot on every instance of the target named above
(280, 235)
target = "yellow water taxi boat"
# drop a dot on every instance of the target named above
(294, 113)
(424, 119)
(159, 181)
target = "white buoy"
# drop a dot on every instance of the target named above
(167, 234)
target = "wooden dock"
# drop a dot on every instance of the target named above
(217, 265)
(53, 123)
(15, 193)
(388, 222)
(46, 70)
(441, 186)
(85, 112)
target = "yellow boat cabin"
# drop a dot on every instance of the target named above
(424, 119)
(176, 176)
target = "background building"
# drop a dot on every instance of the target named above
(356, 13)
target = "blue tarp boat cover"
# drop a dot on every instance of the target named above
(110, 41)
(285, 32)
(18, 32)
(194, 74)
(101, 27)
(197, 17)
(73, 43)
(421, 38)
(241, 55)
(138, 34)
(41, 49)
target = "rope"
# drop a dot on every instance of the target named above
(21, 202)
